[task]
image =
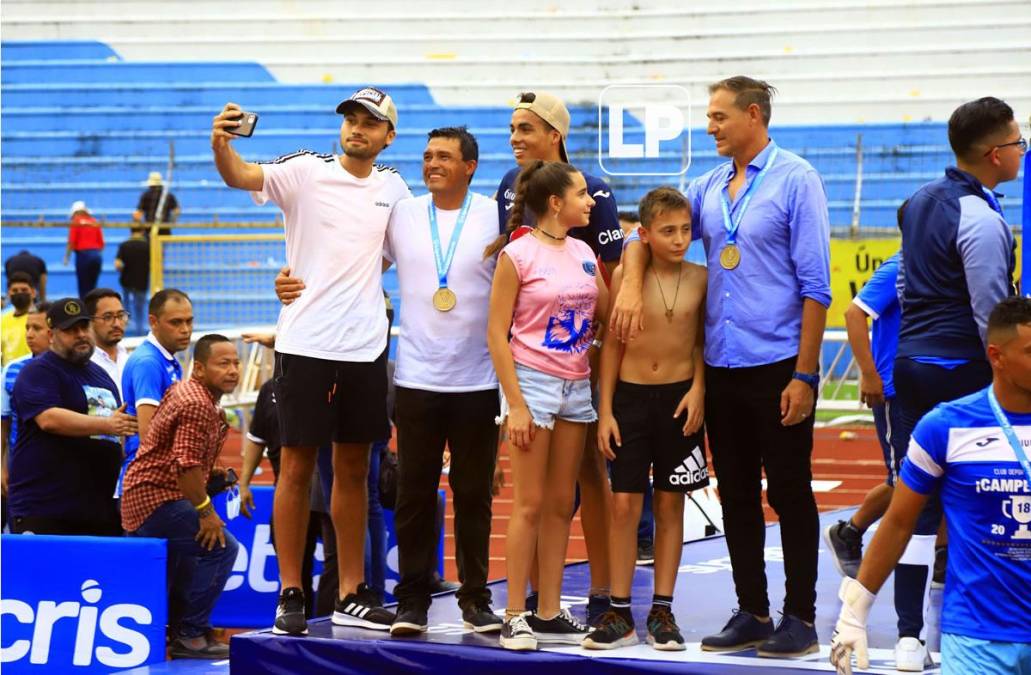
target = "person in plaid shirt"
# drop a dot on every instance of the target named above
(165, 495)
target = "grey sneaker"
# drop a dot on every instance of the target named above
(481, 619)
(846, 546)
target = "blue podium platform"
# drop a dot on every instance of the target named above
(704, 600)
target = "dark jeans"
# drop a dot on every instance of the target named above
(427, 422)
(742, 416)
(195, 572)
(918, 388)
(136, 302)
(87, 270)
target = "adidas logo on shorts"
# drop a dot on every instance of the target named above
(691, 470)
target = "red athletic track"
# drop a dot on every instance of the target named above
(857, 463)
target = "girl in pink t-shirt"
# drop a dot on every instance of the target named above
(549, 297)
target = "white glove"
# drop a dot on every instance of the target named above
(850, 632)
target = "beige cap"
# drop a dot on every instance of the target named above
(377, 102)
(552, 110)
(154, 179)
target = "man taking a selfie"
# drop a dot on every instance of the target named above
(331, 344)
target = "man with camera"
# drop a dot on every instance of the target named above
(331, 345)
(167, 494)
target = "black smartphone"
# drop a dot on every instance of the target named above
(248, 121)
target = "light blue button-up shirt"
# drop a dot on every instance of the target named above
(754, 312)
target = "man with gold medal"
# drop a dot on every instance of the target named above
(764, 222)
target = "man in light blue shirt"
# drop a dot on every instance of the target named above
(763, 219)
(152, 367)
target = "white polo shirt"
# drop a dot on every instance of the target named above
(443, 351)
(335, 223)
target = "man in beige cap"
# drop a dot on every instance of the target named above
(539, 130)
(147, 208)
(331, 342)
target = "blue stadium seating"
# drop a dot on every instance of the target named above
(80, 123)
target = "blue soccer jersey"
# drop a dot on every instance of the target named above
(879, 299)
(148, 374)
(960, 448)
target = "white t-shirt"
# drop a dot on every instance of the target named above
(335, 224)
(443, 351)
(112, 368)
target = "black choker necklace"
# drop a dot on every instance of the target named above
(548, 234)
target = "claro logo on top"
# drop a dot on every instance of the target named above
(114, 622)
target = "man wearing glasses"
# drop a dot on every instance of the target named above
(958, 257)
(108, 319)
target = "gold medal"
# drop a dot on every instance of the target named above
(730, 256)
(444, 300)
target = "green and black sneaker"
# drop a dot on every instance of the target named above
(612, 630)
(663, 633)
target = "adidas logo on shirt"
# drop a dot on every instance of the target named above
(691, 470)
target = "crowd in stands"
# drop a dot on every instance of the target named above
(609, 362)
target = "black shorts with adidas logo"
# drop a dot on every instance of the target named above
(653, 438)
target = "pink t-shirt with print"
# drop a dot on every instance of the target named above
(552, 325)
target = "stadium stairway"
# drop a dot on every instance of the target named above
(833, 60)
(81, 121)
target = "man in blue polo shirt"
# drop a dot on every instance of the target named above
(539, 130)
(973, 451)
(152, 367)
(958, 257)
(877, 300)
(764, 220)
(71, 420)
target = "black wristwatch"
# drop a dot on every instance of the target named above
(812, 379)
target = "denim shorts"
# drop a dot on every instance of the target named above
(549, 397)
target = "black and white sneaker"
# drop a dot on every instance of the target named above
(645, 552)
(290, 613)
(409, 621)
(516, 634)
(564, 629)
(359, 610)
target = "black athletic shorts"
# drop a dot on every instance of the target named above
(319, 401)
(652, 437)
